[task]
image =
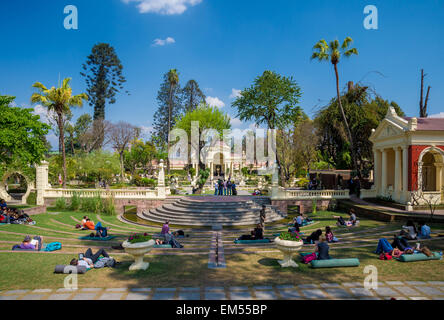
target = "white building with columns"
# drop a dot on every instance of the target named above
(408, 156)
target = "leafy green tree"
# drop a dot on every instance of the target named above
(22, 138)
(104, 77)
(140, 156)
(364, 113)
(170, 107)
(59, 100)
(192, 96)
(208, 118)
(98, 165)
(272, 100)
(333, 52)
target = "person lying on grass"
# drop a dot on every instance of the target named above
(399, 247)
(90, 260)
(256, 234)
(30, 244)
(101, 230)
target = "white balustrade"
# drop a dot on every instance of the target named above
(90, 193)
(288, 194)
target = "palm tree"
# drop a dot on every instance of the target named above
(173, 79)
(333, 52)
(59, 101)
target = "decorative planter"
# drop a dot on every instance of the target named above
(288, 248)
(138, 250)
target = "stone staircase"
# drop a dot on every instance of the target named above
(211, 211)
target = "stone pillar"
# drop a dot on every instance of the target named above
(397, 184)
(275, 182)
(212, 170)
(377, 171)
(439, 183)
(384, 173)
(196, 167)
(161, 189)
(41, 178)
(405, 174)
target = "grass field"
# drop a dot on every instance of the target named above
(246, 265)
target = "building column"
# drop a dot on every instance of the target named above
(377, 171)
(397, 184)
(212, 170)
(439, 183)
(384, 173)
(405, 174)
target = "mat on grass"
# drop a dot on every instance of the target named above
(335, 263)
(252, 241)
(419, 257)
(98, 238)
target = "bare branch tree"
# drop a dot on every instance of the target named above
(121, 134)
(92, 138)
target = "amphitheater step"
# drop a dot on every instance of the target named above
(211, 211)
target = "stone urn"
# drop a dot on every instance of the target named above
(288, 248)
(138, 250)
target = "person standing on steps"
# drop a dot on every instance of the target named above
(263, 216)
(229, 187)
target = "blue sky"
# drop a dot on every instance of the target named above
(224, 45)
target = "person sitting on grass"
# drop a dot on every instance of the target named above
(353, 218)
(165, 228)
(329, 235)
(30, 244)
(256, 234)
(322, 249)
(311, 239)
(409, 231)
(83, 223)
(3, 205)
(424, 231)
(89, 259)
(89, 224)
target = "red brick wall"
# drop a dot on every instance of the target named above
(306, 206)
(414, 153)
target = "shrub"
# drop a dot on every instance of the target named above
(108, 207)
(61, 204)
(136, 238)
(314, 207)
(91, 204)
(302, 183)
(75, 202)
(287, 236)
(32, 199)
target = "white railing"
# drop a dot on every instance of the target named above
(368, 193)
(288, 194)
(90, 193)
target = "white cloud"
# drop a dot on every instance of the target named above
(439, 115)
(236, 122)
(166, 7)
(163, 42)
(235, 93)
(41, 111)
(215, 102)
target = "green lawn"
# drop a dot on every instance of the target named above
(246, 266)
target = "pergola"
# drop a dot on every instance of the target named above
(408, 156)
